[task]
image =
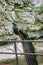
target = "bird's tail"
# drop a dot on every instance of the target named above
(28, 48)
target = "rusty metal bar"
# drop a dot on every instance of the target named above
(16, 53)
(22, 41)
(36, 54)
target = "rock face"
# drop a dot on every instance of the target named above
(31, 22)
(5, 21)
(7, 16)
(40, 17)
(20, 2)
(10, 48)
(37, 2)
(26, 17)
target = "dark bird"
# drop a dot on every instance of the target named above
(27, 47)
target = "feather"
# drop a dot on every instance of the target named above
(15, 28)
(28, 48)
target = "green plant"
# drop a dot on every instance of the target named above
(1, 1)
(41, 7)
(21, 9)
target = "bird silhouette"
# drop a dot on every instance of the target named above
(27, 47)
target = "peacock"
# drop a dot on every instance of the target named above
(27, 47)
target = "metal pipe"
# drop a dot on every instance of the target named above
(16, 53)
(36, 54)
(22, 41)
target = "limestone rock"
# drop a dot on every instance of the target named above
(26, 17)
(36, 35)
(34, 27)
(10, 15)
(39, 17)
(2, 9)
(9, 7)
